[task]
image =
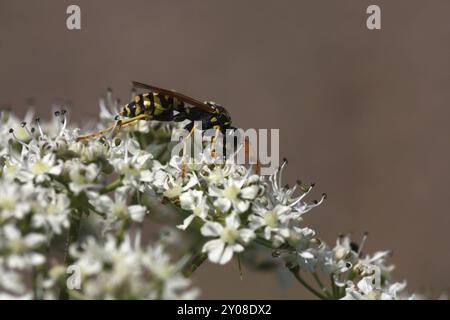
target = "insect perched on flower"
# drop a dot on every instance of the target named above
(65, 203)
(166, 105)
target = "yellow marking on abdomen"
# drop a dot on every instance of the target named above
(137, 111)
(147, 102)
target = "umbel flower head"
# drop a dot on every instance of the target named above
(82, 205)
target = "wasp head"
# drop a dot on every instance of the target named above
(221, 113)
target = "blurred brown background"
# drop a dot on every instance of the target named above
(362, 113)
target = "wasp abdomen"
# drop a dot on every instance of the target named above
(157, 105)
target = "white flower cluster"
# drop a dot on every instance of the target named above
(236, 208)
(235, 205)
(123, 270)
(50, 183)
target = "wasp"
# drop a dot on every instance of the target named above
(167, 105)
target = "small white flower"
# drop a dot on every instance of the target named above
(285, 195)
(12, 202)
(167, 181)
(82, 177)
(274, 222)
(230, 238)
(391, 292)
(125, 270)
(90, 152)
(378, 259)
(51, 211)
(365, 289)
(39, 169)
(21, 248)
(130, 168)
(195, 201)
(218, 173)
(118, 209)
(234, 193)
(10, 280)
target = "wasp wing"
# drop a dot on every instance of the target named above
(180, 96)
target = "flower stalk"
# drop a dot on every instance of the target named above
(72, 237)
(296, 272)
(194, 263)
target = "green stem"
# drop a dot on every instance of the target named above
(35, 284)
(111, 187)
(265, 243)
(72, 237)
(320, 284)
(122, 229)
(334, 288)
(296, 273)
(77, 295)
(239, 265)
(194, 263)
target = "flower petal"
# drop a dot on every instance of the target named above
(186, 222)
(137, 212)
(211, 229)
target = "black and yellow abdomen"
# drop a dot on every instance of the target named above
(158, 106)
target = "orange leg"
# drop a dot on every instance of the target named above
(183, 164)
(213, 144)
(119, 124)
(249, 151)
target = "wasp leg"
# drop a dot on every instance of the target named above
(213, 143)
(250, 153)
(183, 164)
(99, 133)
(120, 123)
